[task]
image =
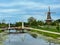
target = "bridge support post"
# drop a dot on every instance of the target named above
(22, 30)
(9, 30)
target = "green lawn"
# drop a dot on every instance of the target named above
(51, 28)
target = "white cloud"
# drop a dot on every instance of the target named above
(30, 5)
(8, 10)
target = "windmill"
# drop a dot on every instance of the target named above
(49, 19)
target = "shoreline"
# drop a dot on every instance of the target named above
(47, 33)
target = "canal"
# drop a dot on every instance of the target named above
(28, 39)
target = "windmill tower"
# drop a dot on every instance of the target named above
(49, 19)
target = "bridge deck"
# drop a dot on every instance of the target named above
(15, 28)
(15, 32)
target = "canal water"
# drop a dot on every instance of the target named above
(28, 39)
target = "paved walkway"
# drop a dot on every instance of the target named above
(45, 31)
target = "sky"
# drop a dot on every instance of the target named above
(20, 10)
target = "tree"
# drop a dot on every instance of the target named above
(32, 21)
(58, 20)
(53, 23)
(18, 24)
(40, 23)
(2, 25)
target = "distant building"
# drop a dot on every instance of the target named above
(49, 19)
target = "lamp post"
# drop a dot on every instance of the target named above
(22, 26)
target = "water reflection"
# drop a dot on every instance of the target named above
(51, 41)
(28, 39)
(34, 35)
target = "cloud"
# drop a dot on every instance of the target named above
(8, 10)
(29, 4)
(12, 11)
(28, 9)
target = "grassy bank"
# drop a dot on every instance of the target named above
(1, 31)
(51, 28)
(2, 37)
(47, 34)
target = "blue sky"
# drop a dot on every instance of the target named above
(21, 10)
